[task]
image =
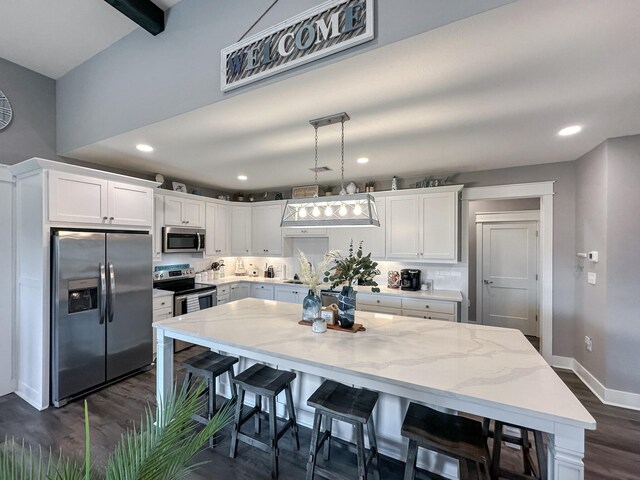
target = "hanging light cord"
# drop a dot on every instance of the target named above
(256, 22)
(316, 169)
(342, 185)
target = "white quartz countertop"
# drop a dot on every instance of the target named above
(157, 292)
(489, 367)
(446, 295)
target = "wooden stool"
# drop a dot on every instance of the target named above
(347, 404)
(209, 366)
(267, 382)
(451, 435)
(531, 470)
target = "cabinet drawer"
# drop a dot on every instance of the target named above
(223, 297)
(378, 309)
(163, 302)
(162, 313)
(429, 315)
(428, 305)
(223, 290)
(379, 300)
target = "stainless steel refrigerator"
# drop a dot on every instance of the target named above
(102, 309)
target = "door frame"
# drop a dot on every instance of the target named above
(543, 191)
(524, 216)
(9, 325)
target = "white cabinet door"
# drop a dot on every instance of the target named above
(244, 291)
(264, 292)
(372, 238)
(290, 295)
(129, 204)
(439, 232)
(240, 241)
(77, 199)
(217, 222)
(266, 233)
(193, 213)
(403, 227)
(173, 212)
(158, 223)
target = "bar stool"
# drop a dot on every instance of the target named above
(333, 400)
(209, 365)
(451, 435)
(264, 381)
(538, 471)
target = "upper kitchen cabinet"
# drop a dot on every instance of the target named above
(372, 238)
(217, 224)
(183, 212)
(89, 200)
(240, 241)
(423, 227)
(266, 233)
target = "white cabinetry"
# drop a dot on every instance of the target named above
(264, 292)
(162, 309)
(240, 242)
(217, 237)
(158, 223)
(223, 294)
(290, 294)
(183, 212)
(379, 304)
(372, 238)
(238, 291)
(83, 199)
(266, 233)
(430, 309)
(423, 227)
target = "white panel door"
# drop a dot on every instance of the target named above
(240, 241)
(509, 276)
(173, 212)
(266, 233)
(77, 199)
(193, 213)
(439, 232)
(217, 222)
(129, 204)
(403, 227)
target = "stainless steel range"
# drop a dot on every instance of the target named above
(189, 296)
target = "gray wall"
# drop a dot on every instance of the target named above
(144, 79)
(32, 132)
(479, 206)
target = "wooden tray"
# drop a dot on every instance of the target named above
(357, 327)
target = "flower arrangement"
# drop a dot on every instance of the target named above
(354, 267)
(312, 277)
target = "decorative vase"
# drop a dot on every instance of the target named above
(347, 307)
(311, 307)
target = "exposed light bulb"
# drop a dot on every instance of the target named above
(302, 212)
(315, 212)
(342, 211)
(357, 210)
(328, 211)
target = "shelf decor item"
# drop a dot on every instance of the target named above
(355, 267)
(179, 187)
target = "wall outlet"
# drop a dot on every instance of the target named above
(593, 256)
(591, 278)
(588, 343)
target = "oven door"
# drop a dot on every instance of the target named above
(206, 299)
(182, 240)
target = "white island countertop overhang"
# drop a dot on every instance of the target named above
(486, 371)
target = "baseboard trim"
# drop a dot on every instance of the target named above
(608, 396)
(30, 395)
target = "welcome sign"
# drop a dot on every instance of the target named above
(323, 30)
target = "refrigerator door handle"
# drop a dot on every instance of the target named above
(112, 291)
(103, 294)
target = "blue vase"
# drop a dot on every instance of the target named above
(347, 307)
(311, 307)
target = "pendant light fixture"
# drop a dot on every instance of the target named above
(356, 210)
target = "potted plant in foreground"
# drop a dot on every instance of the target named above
(355, 267)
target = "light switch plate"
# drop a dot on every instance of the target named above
(591, 278)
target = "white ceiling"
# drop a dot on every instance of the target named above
(52, 37)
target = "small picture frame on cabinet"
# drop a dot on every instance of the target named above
(179, 187)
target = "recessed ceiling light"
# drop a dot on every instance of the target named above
(144, 148)
(242, 177)
(362, 160)
(572, 130)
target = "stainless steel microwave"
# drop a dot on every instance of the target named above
(182, 240)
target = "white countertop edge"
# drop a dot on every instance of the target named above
(158, 292)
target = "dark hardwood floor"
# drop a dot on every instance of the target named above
(612, 451)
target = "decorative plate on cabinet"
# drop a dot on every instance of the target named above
(6, 112)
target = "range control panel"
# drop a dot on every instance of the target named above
(173, 274)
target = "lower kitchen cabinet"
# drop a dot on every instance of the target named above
(224, 294)
(264, 292)
(408, 307)
(429, 315)
(162, 309)
(238, 291)
(290, 295)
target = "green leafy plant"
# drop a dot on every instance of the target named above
(356, 266)
(158, 449)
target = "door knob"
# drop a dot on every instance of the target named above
(488, 282)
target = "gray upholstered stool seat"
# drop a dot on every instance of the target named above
(264, 381)
(335, 401)
(209, 366)
(451, 435)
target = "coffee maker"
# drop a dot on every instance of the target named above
(410, 279)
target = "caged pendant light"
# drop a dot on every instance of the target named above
(356, 210)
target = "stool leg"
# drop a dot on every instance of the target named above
(328, 421)
(311, 463)
(273, 432)
(362, 468)
(540, 454)
(485, 427)
(236, 425)
(234, 394)
(211, 404)
(497, 447)
(258, 413)
(526, 451)
(292, 416)
(412, 456)
(373, 445)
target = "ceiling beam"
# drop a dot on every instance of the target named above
(144, 12)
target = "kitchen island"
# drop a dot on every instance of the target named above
(485, 371)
